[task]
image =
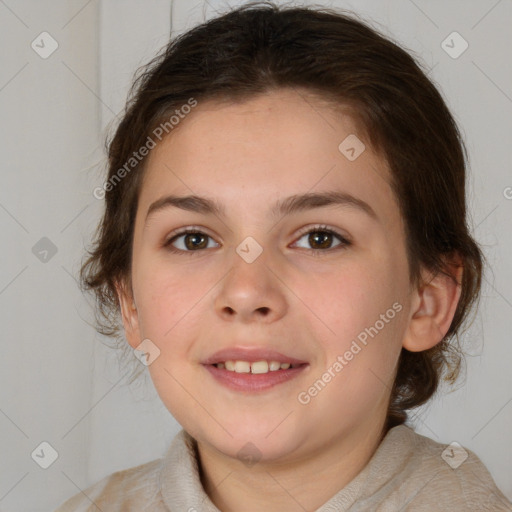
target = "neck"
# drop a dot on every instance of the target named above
(305, 483)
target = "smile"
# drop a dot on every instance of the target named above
(253, 377)
(254, 367)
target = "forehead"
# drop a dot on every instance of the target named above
(274, 145)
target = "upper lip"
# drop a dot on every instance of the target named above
(250, 355)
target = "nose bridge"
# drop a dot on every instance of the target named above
(251, 288)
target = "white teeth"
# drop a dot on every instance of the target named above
(256, 367)
(242, 367)
(259, 367)
(274, 365)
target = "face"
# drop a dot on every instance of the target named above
(323, 285)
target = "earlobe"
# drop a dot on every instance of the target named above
(129, 315)
(433, 310)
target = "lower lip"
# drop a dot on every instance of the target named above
(253, 382)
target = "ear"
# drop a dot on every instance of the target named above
(433, 306)
(129, 314)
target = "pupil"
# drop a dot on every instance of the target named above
(320, 238)
(192, 238)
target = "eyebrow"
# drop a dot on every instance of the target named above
(287, 206)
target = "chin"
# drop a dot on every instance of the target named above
(252, 443)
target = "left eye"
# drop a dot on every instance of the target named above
(322, 239)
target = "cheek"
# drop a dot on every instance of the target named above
(349, 299)
(167, 299)
(360, 310)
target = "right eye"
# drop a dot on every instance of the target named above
(192, 240)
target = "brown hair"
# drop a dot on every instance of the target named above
(260, 47)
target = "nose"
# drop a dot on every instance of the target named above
(251, 292)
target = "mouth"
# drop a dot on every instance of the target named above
(258, 367)
(253, 370)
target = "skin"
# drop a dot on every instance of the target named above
(191, 304)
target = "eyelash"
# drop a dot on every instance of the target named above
(344, 242)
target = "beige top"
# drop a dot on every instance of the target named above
(408, 472)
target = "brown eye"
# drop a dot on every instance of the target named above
(322, 239)
(188, 241)
(195, 241)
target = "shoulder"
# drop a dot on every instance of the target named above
(128, 490)
(446, 476)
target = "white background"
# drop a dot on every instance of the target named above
(60, 383)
